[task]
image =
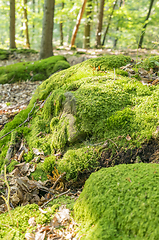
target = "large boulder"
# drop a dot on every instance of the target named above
(78, 112)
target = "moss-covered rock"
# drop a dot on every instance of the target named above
(120, 203)
(37, 70)
(85, 107)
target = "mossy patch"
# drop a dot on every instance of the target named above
(37, 70)
(16, 229)
(120, 203)
(85, 106)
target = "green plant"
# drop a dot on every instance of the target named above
(8, 194)
(120, 203)
(49, 164)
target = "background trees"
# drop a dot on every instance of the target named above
(125, 29)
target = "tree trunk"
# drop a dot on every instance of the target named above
(61, 28)
(145, 25)
(75, 30)
(100, 24)
(12, 24)
(47, 32)
(117, 29)
(87, 29)
(109, 21)
(26, 32)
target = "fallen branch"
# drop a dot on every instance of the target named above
(54, 197)
(58, 180)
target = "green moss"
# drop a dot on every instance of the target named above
(77, 160)
(49, 164)
(20, 216)
(120, 203)
(110, 61)
(121, 72)
(37, 70)
(10, 167)
(87, 105)
(28, 156)
(39, 173)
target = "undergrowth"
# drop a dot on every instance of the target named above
(120, 203)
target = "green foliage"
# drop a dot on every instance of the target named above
(151, 62)
(28, 156)
(76, 160)
(110, 62)
(10, 167)
(39, 173)
(49, 164)
(104, 109)
(20, 225)
(120, 203)
(38, 70)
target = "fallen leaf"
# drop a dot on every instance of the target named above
(128, 137)
(32, 222)
(29, 236)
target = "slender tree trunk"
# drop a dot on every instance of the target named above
(75, 30)
(26, 32)
(47, 31)
(33, 1)
(87, 29)
(12, 24)
(117, 29)
(61, 28)
(100, 24)
(145, 25)
(109, 21)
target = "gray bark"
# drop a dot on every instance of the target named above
(47, 32)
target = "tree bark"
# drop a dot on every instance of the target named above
(12, 24)
(47, 31)
(26, 32)
(61, 28)
(75, 30)
(145, 25)
(109, 21)
(117, 29)
(100, 24)
(87, 29)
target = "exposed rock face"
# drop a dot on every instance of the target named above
(65, 130)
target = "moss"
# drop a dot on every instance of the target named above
(4, 54)
(103, 109)
(10, 167)
(20, 216)
(39, 173)
(77, 160)
(28, 156)
(49, 164)
(110, 62)
(37, 70)
(121, 72)
(120, 203)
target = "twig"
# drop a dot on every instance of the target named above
(54, 197)
(58, 180)
(12, 78)
(27, 120)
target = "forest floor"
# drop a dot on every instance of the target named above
(21, 93)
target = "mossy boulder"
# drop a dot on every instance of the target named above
(120, 203)
(34, 71)
(86, 107)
